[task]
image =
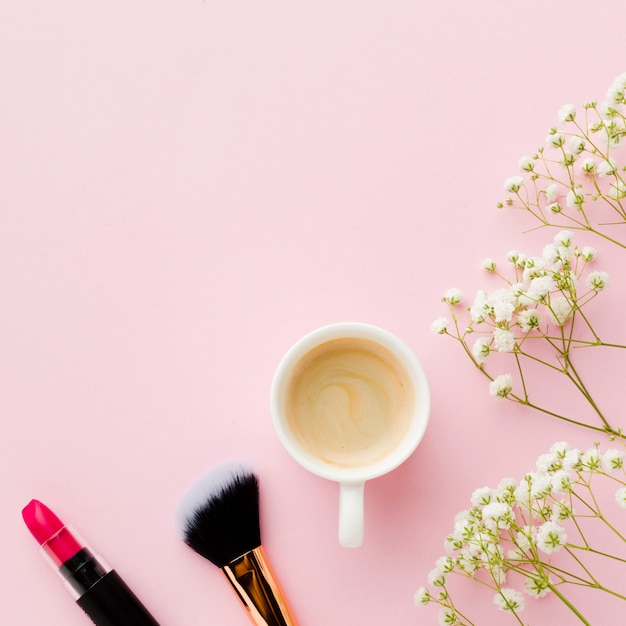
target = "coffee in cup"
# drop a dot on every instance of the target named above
(350, 402)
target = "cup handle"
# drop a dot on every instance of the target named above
(351, 514)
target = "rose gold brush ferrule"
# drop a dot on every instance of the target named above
(257, 587)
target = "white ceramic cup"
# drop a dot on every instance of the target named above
(351, 478)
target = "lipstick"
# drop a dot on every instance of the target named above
(96, 588)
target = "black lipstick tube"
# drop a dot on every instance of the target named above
(101, 592)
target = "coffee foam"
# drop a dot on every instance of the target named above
(349, 402)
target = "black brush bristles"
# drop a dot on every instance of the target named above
(218, 517)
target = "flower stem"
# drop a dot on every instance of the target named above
(569, 605)
(573, 375)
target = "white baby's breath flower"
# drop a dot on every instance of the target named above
(536, 587)
(564, 255)
(620, 497)
(466, 516)
(571, 459)
(611, 100)
(489, 265)
(447, 617)
(436, 577)
(589, 166)
(556, 255)
(534, 262)
(513, 184)
(529, 319)
(478, 310)
(611, 131)
(555, 139)
(591, 460)
(463, 524)
(551, 192)
(561, 481)
(453, 296)
(554, 207)
(607, 167)
(540, 287)
(541, 485)
(525, 299)
(526, 537)
(508, 599)
(482, 496)
(613, 460)
(517, 289)
(502, 303)
(615, 93)
(481, 350)
(563, 238)
(497, 515)
(567, 113)
(512, 256)
(521, 260)
(422, 597)
(505, 490)
(501, 386)
(576, 145)
(568, 283)
(440, 326)
(451, 544)
(515, 554)
(503, 340)
(522, 492)
(561, 510)
(548, 463)
(526, 164)
(551, 537)
(575, 198)
(550, 254)
(560, 448)
(568, 457)
(466, 562)
(617, 190)
(598, 281)
(614, 96)
(445, 563)
(560, 310)
(619, 82)
(589, 253)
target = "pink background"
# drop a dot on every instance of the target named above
(186, 188)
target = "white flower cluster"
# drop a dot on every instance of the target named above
(545, 291)
(586, 151)
(526, 539)
(519, 527)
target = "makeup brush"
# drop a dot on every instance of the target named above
(218, 517)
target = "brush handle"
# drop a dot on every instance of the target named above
(254, 582)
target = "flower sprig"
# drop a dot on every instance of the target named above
(538, 316)
(526, 539)
(576, 180)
